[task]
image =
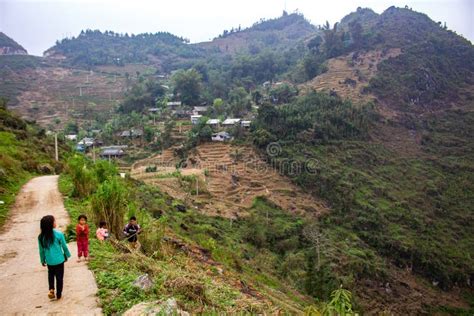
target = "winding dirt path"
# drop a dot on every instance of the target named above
(23, 281)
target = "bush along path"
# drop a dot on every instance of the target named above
(24, 282)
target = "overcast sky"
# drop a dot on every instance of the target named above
(37, 24)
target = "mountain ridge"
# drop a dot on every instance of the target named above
(8, 46)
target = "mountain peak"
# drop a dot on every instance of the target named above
(8, 46)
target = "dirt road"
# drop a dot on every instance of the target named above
(23, 281)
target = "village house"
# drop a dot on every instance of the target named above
(72, 137)
(181, 113)
(112, 153)
(200, 110)
(173, 104)
(195, 119)
(245, 124)
(153, 110)
(231, 122)
(221, 137)
(87, 142)
(213, 123)
(132, 133)
(80, 148)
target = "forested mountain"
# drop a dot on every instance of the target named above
(9, 47)
(92, 48)
(169, 52)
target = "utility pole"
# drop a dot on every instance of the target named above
(80, 91)
(93, 153)
(56, 154)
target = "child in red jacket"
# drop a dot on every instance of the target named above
(82, 238)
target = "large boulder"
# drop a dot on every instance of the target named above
(144, 282)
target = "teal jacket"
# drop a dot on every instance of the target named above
(56, 252)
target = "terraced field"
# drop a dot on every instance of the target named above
(55, 95)
(348, 75)
(230, 178)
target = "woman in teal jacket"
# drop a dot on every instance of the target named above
(53, 252)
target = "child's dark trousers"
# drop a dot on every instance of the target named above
(57, 272)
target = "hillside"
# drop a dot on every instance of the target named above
(92, 48)
(231, 178)
(9, 47)
(25, 151)
(398, 173)
(279, 33)
(167, 52)
(434, 67)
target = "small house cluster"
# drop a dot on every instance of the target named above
(131, 133)
(85, 144)
(112, 152)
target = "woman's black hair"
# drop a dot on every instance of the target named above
(82, 216)
(102, 224)
(133, 218)
(46, 237)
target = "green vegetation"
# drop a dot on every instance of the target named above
(25, 151)
(145, 93)
(315, 117)
(410, 210)
(93, 48)
(187, 85)
(191, 280)
(434, 65)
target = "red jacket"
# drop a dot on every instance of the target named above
(82, 234)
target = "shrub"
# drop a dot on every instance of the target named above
(82, 176)
(109, 204)
(151, 237)
(340, 304)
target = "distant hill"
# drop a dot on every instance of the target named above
(169, 52)
(9, 47)
(94, 48)
(282, 32)
(434, 65)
